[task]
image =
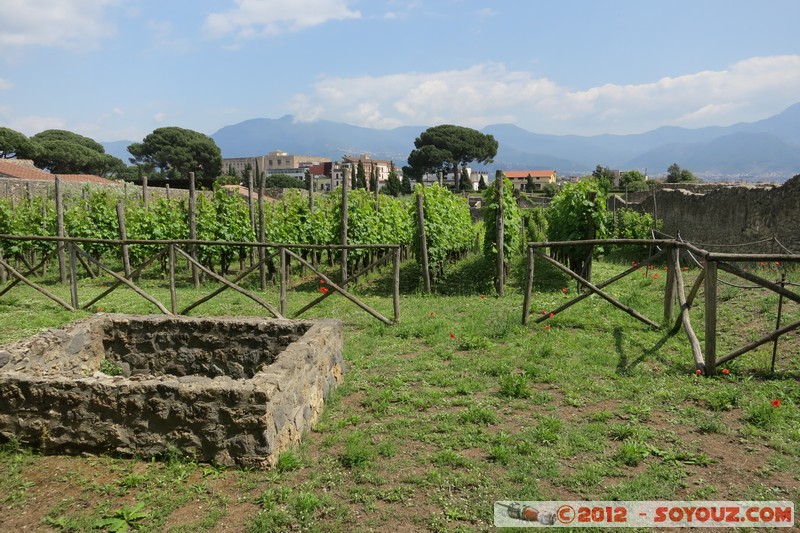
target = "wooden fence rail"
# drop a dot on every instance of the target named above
(706, 360)
(174, 249)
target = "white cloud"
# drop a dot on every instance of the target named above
(64, 23)
(490, 93)
(31, 125)
(5, 84)
(253, 18)
(158, 118)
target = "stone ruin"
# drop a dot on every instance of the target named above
(236, 391)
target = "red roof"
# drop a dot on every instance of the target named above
(523, 174)
(25, 171)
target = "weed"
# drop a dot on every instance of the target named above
(449, 458)
(479, 414)
(288, 461)
(269, 521)
(501, 454)
(110, 368)
(631, 452)
(546, 431)
(515, 386)
(124, 518)
(357, 451)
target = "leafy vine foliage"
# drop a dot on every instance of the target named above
(512, 221)
(448, 226)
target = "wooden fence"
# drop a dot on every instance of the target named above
(669, 251)
(71, 257)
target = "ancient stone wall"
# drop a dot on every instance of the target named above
(20, 190)
(231, 402)
(730, 216)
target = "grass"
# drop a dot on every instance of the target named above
(429, 429)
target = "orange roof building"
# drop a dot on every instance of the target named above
(519, 178)
(24, 170)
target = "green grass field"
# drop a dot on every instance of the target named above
(455, 407)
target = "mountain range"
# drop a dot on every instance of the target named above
(767, 150)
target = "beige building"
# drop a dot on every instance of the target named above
(540, 178)
(274, 163)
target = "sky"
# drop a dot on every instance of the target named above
(118, 69)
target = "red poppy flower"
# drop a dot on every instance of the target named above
(564, 290)
(322, 281)
(655, 276)
(726, 371)
(102, 286)
(547, 328)
(698, 372)
(99, 309)
(482, 296)
(777, 263)
(323, 290)
(544, 312)
(552, 315)
(763, 263)
(452, 335)
(776, 403)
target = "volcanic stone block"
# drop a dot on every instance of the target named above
(237, 391)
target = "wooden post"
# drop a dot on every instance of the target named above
(375, 181)
(44, 227)
(73, 275)
(252, 213)
(262, 253)
(3, 273)
(62, 260)
(526, 305)
(777, 323)
(669, 291)
(426, 273)
(500, 226)
(284, 280)
(166, 190)
(711, 316)
(396, 288)
(145, 192)
(126, 261)
(173, 294)
(193, 229)
(345, 187)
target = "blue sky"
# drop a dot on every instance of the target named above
(118, 69)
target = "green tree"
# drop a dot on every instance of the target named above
(550, 189)
(633, 180)
(482, 184)
(676, 174)
(361, 176)
(466, 182)
(179, 151)
(413, 173)
(284, 181)
(246, 173)
(405, 184)
(393, 185)
(604, 176)
(65, 152)
(14, 144)
(445, 147)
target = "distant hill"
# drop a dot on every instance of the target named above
(767, 149)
